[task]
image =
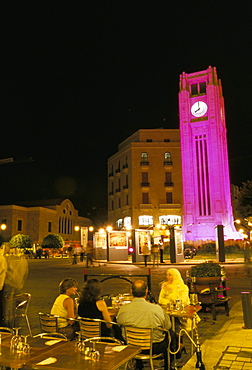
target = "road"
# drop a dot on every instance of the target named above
(45, 275)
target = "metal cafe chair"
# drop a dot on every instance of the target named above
(5, 330)
(143, 337)
(51, 335)
(108, 340)
(48, 323)
(91, 328)
(22, 301)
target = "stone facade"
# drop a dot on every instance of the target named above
(144, 179)
(58, 217)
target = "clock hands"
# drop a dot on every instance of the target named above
(198, 107)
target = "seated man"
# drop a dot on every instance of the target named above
(141, 313)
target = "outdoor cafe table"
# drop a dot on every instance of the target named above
(15, 360)
(70, 358)
(189, 312)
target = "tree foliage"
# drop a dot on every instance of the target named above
(244, 206)
(21, 241)
(53, 241)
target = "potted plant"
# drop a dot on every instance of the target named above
(206, 270)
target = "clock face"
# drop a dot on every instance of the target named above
(198, 109)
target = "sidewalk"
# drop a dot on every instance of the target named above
(225, 344)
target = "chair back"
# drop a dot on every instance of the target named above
(5, 330)
(22, 302)
(108, 340)
(141, 337)
(48, 323)
(90, 328)
(51, 336)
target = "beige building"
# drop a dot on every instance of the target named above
(38, 219)
(144, 181)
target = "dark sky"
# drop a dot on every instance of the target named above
(78, 77)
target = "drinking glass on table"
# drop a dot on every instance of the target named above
(16, 338)
(78, 341)
(26, 346)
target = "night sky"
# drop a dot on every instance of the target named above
(79, 77)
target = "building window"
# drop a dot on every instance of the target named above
(197, 89)
(167, 158)
(167, 140)
(127, 222)
(144, 159)
(145, 198)
(119, 202)
(168, 179)
(170, 220)
(112, 205)
(19, 225)
(194, 89)
(202, 87)
(111, 172)
(145, 220)
(169, 198)
(127, 200)
(119, 223)
(148, 140)
(145, 179)
(118, 170)
(49, 229)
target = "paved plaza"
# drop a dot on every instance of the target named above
(216, 337)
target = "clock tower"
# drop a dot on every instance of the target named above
(205, 169)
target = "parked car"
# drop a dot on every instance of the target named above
(188, 253)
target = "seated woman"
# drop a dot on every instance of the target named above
(93, 307)
(64, 307)
(173, 288)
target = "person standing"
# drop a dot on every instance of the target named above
(143, 314)
(161, 250)
(82, 254)
(155, 254)
(146, 253)
(89, 251)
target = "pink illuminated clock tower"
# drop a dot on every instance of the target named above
(205, 169)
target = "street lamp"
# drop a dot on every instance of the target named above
(3, 226)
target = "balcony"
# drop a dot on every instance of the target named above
(118, 172)
(125, 188)
(125, 168)
(168, 165)
(145, 185)
(146, 206)
(168, 186)
(145, 165)
(175, 206)
(111, 175)
(111, 193)
(118, 191)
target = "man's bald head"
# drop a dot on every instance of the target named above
(139, 288)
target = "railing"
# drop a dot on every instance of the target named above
(145, 184)
(168, 184)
